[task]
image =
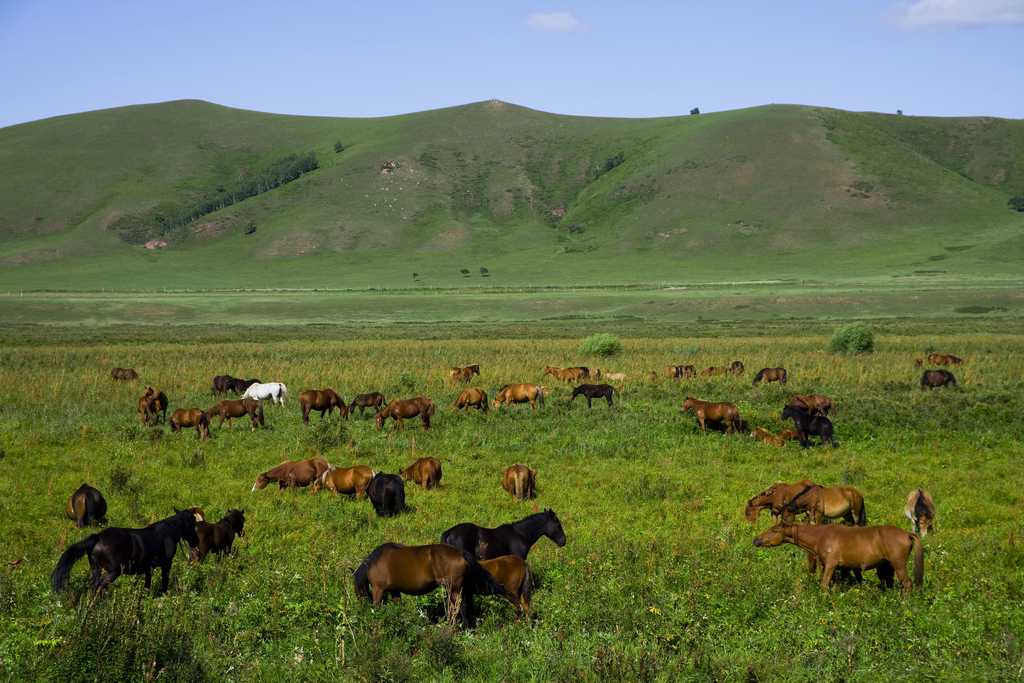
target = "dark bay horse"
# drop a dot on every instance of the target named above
(512, 394)
(323, 400)
(807, 425)
(941, 359)
(419, 569)
(115, 551)
(425, 471)
(191, 417)
(238, 386)
(218, 537)
(400, 409)
(774, 498)
(292, 473)
(933, 379)
(520, 481)
(373, 400)
(713, 412)
(387, 494)
(228, 409)
(737, 367)
(814, 403)
(345, 480)
(508, 539)
(770, 375)
(920, 510)
(220, 384)
(471, 397)
(592, 391)
(123, 373)
(151, 404)
(86, 506)
(828, 502)
(678, 372)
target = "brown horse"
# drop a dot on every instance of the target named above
(191, 417)
(520, 481)
(292, 473)
(229, 408)
(737, 367)
(86, 506)
(373, 400)
(521, 393)
(920, 511)
(464, 374)
(768, 438)
(151, 404)
(218, 537)
(713, 412)
(828, 502)
(425, 471)
(940, 359)
(814, 403)
(788, 434)
(918, 363)
(885, 548)
(773, 499)
(932, 379)
(715, 371)
(514, 574)
(123, 373)
(400, 409)
(471, 397)
(419, 569)
(324, 400)
(566, 374)
(346, 480)
(770, 375)
(678, 372)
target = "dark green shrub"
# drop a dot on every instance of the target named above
(322, 436)
(854, 338)
(601, 344)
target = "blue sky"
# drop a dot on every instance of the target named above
(636, 59)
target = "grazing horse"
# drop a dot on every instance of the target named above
(151, 404)
(814, 403)
(123, 373)
(940, 359)
(373, 400)
(464, 374)
(425, 471)
(323, 400)
(346, 480)
(770, 375)
(886, 548)
(828, 502)
(400, 409)
(936, 378)
(715, 371)
(920, 511)
(520, 481)
(508, 539)
(773, 499)
(567, 374)
(115, 551)
(471, 397)
(768, 438)
(521, 393)
(678, 372)
(514, 574)
(275, 391)
(592, 391)
(86, 506)
(228, 409)
(222, 384)
(807, 425)
(236, 386)
(191, 417)
(713, 412)
(387, 494)
(419, 569)
(292, 473)
(737, 367)
(218, 537)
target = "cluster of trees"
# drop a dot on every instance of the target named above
(1016, 202)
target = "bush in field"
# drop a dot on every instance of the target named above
(323, 436)
(854, 338)
(601, 344)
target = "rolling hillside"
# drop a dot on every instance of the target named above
(773, 192)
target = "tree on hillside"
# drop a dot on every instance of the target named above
(465, 272)
(483, 272)
(1016, 202)
(338, 147)
(694, 111)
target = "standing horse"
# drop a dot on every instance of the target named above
(713, 412)
(567, 374)
(807, 425)
(828, 502)
(508, 539)
(521, 393)
(151, 404)
(515, 575)
(814, 403)
(678, 372)
(221, 384)
(275, 391)
(323, 400)
(115, 551)
(237, 386)
(123, 373)
(933, 379)
(920, 511)
(292, 473)
(940, 359)
(86, 506)
(400, 409)
(425, 471)
(374, 400)
(219, 537)
(228, 409)
(737, 367)
(520, 481)
(345, 480)
(773, 499)
(471, 397)
(770, 375)
(191, 417)
(387, 494)
(592, 391)
(464, 374)
(419, 569)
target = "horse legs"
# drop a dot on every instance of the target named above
(885, 574)
(588, 402)
(828, 568)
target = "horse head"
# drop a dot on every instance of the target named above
(261, 482)
(772, 537)
(553, 528)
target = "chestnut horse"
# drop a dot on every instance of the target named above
(521, 393)
(86, 506)
(885, 548)
(773, 499)
(471, 397)
(464, 374)
(123, 373)
(229, 408)
(920, 511)
(936, 378)
(737, 367)
(373, 400)
(567, 374)
(400, 409)
(678, 372)
(940, 359)
(425, 471)
(828, 502)
(191, 417)
(346, 480)
(219, 537)
(152, 403)
(514, 574)
(713, 412)
(767, 438)
(323, 400)
(419, 569)
(292, 473)
(770, 375)
(520, 481)
(814, 403)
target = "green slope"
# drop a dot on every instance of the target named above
(763, 193)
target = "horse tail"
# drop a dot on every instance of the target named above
(918, 560)
(284, 393)
(259, 412)
(540, 396)
(479, 581)
(862, 519)
(90, 509)
(519, 486)
(782, 380)
(527, 589)
(399, 499)
(59, 578)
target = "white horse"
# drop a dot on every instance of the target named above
(273, 390)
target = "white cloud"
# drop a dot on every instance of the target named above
(556, 22)
(952, 14)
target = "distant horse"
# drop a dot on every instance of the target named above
(615, 376)
(940, 359)
(885, 548)
(770, 375)
(713, 412)
(191, 417)
(151, 404)
(228, 409)
(387, 494)
(678, 372)
(275, 391)
(592, 391)
(807, 425)
(814, 403)
(219, 537)
(464, 374)
(715, 371)
(237, 386)
(323, 400)
(933, 379)
(521, 393)
(515, 575)
(86, 506)
(221, 384)
(920, 511)
(417, 570)
(768, 438)
(400, 409)
(737, 367)
(345, 480)
(425, 471)
(115, 551)
(822, 503)
(918, 363)
(654, 375)
(773, 499)
(566, 374)
(292, 473)
(508, 539)
(123, 373)
(373, 400)
(471, 397)
(520, 481)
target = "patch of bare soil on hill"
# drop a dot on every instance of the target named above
(292, 245)
(447, 240)
(29, 257)
(204, 231)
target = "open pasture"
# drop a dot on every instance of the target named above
(658, 580)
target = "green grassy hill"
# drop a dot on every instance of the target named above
(764, 193)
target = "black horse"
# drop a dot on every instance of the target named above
(115, 551)
(387, 494)
(937, 378)
(220, 384)
(807, 425)
(592, 391)
(508, 539)
(375, 400)
(228, 383)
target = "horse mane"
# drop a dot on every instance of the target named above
(759, 375)
(177, 523)
(533, 523)
(791, 505)
(920, 507)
